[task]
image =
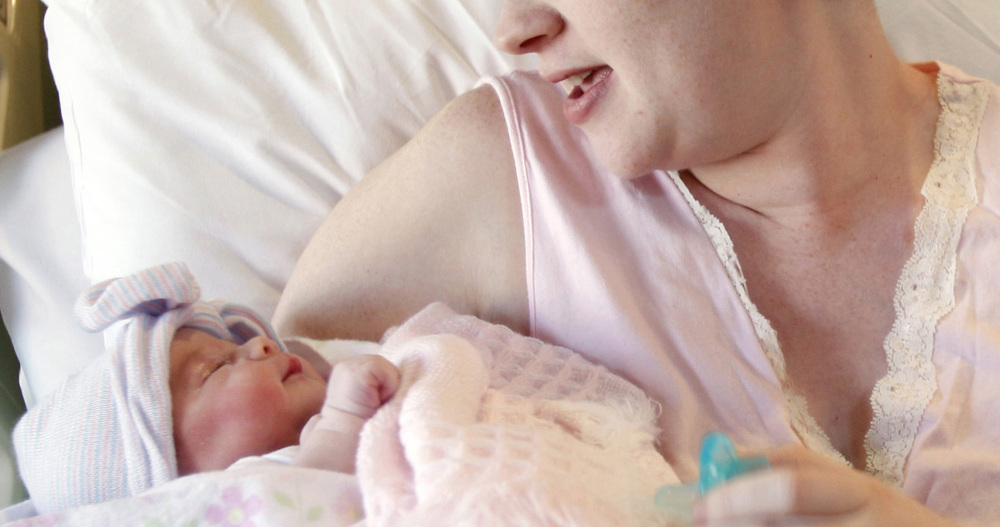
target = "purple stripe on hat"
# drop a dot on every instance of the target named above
(152, 291)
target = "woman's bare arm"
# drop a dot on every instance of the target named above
(440, 220)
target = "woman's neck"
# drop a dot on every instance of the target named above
(860, 133)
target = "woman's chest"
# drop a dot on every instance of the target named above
(831, 310)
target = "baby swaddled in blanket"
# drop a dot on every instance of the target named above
(484, 427)
(493, 428)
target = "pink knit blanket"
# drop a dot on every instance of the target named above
(494, 428)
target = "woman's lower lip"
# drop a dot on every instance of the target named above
(578, 109)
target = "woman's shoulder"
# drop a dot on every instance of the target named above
(988, 148)
(474, 117)
(439, 220)
(989, 135)
(524, 86)
(969, 130)
(986, 137)
(528, 101)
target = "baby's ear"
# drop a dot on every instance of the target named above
(307, 352)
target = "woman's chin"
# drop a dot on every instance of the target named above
(624, 166)
(625, 158)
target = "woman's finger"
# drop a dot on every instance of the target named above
(784, 492)
(751, 496)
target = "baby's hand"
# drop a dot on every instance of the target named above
(360, 386)
(355, 391)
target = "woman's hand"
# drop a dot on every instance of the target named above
(806, 488)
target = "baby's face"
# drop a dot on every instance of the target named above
(231, 401)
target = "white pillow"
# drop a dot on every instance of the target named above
(40, 273)
(221, 132)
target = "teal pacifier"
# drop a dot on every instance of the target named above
(718, 464)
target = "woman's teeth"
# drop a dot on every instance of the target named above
(576, 80)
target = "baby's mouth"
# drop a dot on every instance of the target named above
(294, 366)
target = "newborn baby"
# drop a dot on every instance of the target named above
(232, 401)
(186, 386)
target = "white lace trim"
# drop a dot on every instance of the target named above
(924, 292)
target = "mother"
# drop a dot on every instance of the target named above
(754, 210)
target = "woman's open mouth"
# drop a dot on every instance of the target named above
(586, 90)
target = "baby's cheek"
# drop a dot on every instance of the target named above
(255, 402)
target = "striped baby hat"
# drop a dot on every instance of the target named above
(107, 432)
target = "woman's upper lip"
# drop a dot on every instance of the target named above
(557, 76)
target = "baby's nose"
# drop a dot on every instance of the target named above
(260, 348)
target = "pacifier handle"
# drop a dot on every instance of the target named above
(719, 462)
